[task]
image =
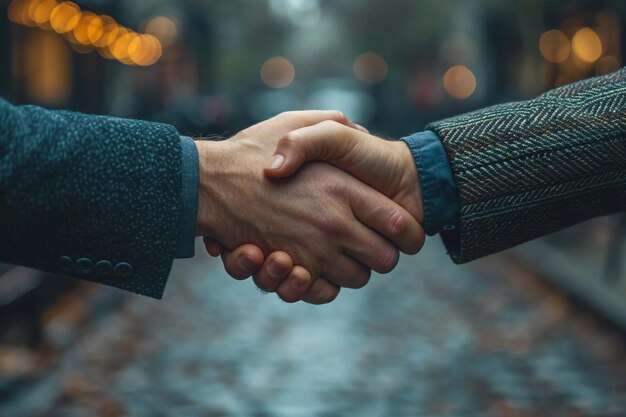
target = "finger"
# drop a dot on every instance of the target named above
(212, 247)
(296, 285)
(243, 261)
(344, 271)
(276, 268)
(298, 119)
(321, 292)
(327, 141)
(387, 218)
(362, 129)
(366, 247)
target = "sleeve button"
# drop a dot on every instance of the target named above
(123, 270)
(66, 263)
(84, 266)
(104, 268)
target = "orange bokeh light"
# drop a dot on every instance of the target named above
(370, 68)
(65, 17)
(459, 82)
(87, 31)
(554, 46)
(42, 13)
(587, 45)
(278, 72)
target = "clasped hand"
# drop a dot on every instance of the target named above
(302, 228)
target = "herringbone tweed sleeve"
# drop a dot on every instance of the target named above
(531, 168)
(93, 197)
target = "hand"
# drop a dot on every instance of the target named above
(321, 204)
(386, 166)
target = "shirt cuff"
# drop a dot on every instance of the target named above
(185, 247)
(439, 188)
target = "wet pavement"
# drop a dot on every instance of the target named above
(430, 339)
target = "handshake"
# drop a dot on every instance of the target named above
(305, 229)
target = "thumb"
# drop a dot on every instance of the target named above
(327, 141)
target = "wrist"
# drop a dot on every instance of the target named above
(410, 182)
(210, 156)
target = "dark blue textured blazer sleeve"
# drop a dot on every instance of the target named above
(530, 168)
(93, 197)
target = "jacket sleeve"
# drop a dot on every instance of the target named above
(93, 197)
(531, 168)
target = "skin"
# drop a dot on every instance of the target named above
(356, 224)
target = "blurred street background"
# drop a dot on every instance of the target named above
(536, 331)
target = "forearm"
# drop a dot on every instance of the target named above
(101, 190)
(527, 169)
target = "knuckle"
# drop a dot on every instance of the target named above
(323, 296)
(360, 279)
(336, 189)
(262, 284)
(339, 116)
(290, 139)
(331, 124)
(397, 223)
(333, 226)
(287, 297)
(388, 259)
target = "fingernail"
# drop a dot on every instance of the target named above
(361, 128)
(297, 282)
(276, 269)
(277, 162)
(245, 262)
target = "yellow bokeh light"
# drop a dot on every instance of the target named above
(119, 48)
(144, 50)
(109, 27)
(587, 45)
(164, 29)
(41, 15)
(15, 11)
(370, 68)
(110, 37)
(32, 7)
(65, 17)
(278, 72)
(554, 46)
(24, 16)
(459, 82)
(89, 29)
(86, 31)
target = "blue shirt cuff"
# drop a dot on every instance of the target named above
(189, 197)
(439, 189)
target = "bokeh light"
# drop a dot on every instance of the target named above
(587, 45)
(370, 68)
(278, 72)
(162, 28)
(65, 17)
(42, 13)
(554, 46)
(459, 82)
(86, 31)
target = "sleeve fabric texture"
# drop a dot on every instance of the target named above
(94, 197)
(527, 169)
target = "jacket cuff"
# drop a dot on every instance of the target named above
(439, 189)
(189, 197)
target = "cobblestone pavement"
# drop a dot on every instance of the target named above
(431, 339)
